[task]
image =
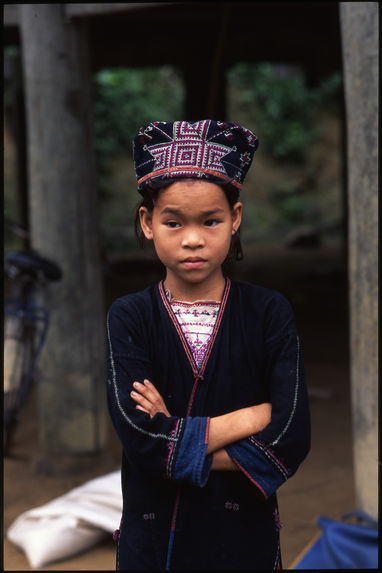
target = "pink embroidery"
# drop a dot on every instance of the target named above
(276, 517)
(197, 321)
(198, 372)
(269, 453)
(230, 505)
(189, 149)
(188, 171)
(169, 457)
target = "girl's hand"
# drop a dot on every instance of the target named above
(148, 399)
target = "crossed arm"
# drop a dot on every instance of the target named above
(223, 429)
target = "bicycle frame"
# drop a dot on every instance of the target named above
(26, 326)
(26, 314)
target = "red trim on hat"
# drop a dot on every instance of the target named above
(188, 168)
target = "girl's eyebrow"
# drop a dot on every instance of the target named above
(178, 212)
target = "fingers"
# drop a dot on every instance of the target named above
(138, 407)
(147, 389)
(148, 398)
(148, 384)
(142, 401)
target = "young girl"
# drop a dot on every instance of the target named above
(206, 387)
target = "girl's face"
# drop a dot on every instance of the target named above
(191, 225)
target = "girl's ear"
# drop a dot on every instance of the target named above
(237, 211)
(145, 219)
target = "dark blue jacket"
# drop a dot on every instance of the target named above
(177, 513)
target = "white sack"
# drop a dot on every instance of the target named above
(70, 523)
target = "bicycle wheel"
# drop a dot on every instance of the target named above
(19, 335)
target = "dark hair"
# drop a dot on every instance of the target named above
(151, 194)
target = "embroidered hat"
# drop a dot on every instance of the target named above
(214, 150)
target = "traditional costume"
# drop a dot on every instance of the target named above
(205, 358)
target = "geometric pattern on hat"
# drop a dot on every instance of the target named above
(214, 150)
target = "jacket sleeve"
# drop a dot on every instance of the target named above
(271, 456)
(171, 447)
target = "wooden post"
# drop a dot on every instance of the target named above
(206, 83)
(12, 65)
(64, 227)
(359, 25)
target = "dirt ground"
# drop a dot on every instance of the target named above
(315, 282)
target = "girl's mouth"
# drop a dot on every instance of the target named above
(193, 263)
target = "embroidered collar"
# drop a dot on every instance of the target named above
(198, 372)
(171, 299)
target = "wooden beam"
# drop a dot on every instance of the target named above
(359, 23)
(131, 34)
(85, 10)
(80, 10)
(11, 15)
(64, 227)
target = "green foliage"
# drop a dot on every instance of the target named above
(278, 100)
(274, 100)
(125, 99)
(298, 149)
(11, 50)
(293, 207)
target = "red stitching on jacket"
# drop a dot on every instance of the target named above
(198, 374)
(172, 445)
(269, 453)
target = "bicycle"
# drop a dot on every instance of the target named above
(25, 329)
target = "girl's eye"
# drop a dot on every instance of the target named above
(211, 223)
(172, 224)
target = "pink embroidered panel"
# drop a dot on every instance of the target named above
(197, 321)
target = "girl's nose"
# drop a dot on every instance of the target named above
(192, 239)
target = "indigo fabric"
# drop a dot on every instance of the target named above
(217, 151)
(192, 464)
(178, 514)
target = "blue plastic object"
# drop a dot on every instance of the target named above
(343, 545)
